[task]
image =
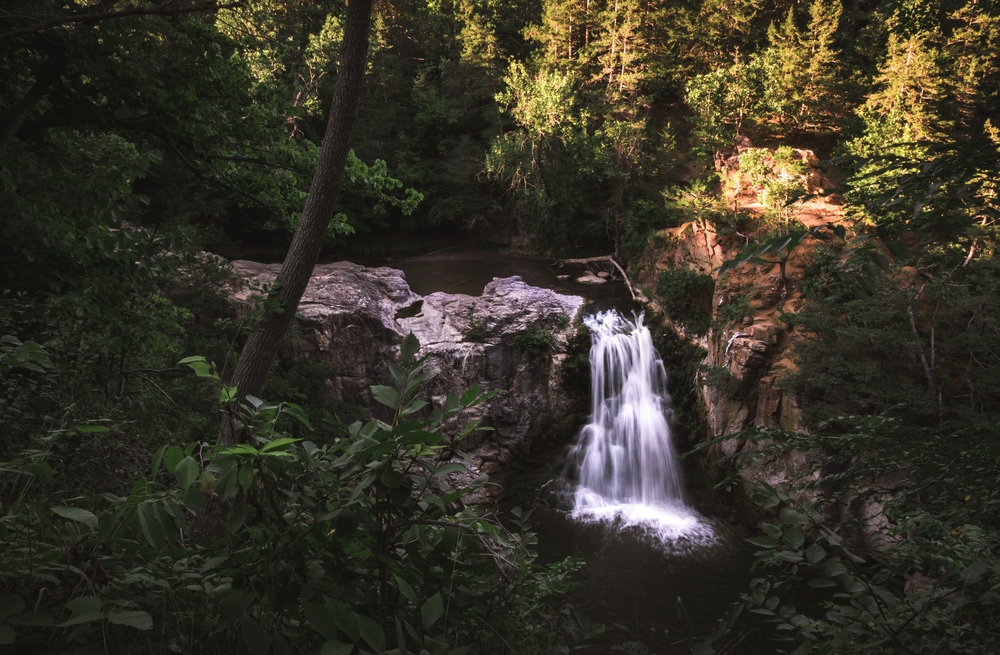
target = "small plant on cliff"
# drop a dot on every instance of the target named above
(562, 321)
(475, 329)
(687, 297)
(734, 309)
(536, 342)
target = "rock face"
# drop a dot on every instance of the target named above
(354, 318)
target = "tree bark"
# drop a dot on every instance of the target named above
(262, 346)
(12, 122)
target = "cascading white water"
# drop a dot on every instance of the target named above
(627, 469)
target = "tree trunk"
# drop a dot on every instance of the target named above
(262, 346)
(11, 123)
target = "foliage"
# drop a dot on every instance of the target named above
(538, 341)
(734, 309)
(905, 343)
(475, 331)
(687, 296)
(726, 98)
(361, 540)
(935, 580)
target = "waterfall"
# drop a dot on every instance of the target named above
(624, 462)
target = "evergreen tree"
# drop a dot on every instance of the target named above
(806, 73)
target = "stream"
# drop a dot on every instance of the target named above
(660, 568)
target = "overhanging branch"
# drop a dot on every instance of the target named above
(166, 8)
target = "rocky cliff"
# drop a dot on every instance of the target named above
(353, 318)
(747, 347)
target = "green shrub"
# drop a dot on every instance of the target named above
(687, 297)
(536, 342)
(734, 309)
(757, 165)
(335, 546)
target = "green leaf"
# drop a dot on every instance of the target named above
(237, 515)
(90, 428)
(226, 487)
(157, 459)
(449, 467)
(86, 617)
(134, 619)
(84, 604)
(245, 477)
(385, 395)
(152, 529)
(172, 457)
(794, 538)
(371, 633)
(9, 606)
(431, 611)
(278, 444)
(392, 479)
(833, 568)
(77, 514)
(404, 588)
(322, 620)
(186, 472)
(763, 542)
(469, 397)
(414, 406)
(408, 348)
(255, 637)
(347, 620)
(815, 553)
(400, 638)
(334, 647)
(298, 414)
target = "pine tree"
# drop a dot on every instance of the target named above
(805, 65)
(912, 86)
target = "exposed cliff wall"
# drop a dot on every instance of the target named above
(747, 346)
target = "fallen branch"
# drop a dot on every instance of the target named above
(605, 258)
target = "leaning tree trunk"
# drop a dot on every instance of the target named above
(262, 346)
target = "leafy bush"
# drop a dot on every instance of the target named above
(687, 297)
(536, 342)
(757, 165)
(362, 542)
(734, 309)
(934, 583)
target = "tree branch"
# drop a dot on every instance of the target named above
(605, 258)
(162, 9)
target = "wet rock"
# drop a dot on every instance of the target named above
(590, 279)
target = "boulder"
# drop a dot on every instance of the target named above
(353, 318)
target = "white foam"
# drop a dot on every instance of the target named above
(676, 527)
(624, 461)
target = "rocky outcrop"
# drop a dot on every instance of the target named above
(353, 318)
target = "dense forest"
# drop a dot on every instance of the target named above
(143, 143)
